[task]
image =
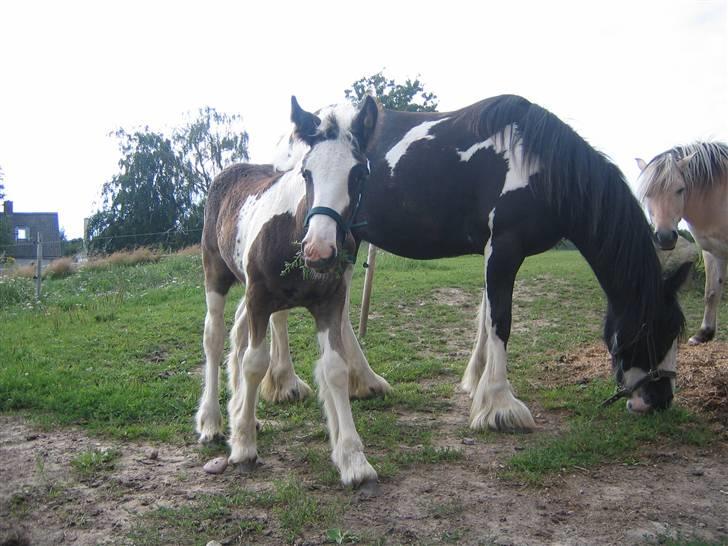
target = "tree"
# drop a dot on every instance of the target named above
(158, 197)
(409, 96)
(208, 144)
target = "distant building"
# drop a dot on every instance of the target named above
(24, 229)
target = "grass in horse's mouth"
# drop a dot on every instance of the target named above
(343, 259)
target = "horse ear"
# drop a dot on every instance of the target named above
(641, 163)
(675, 280)
(682, 163)
(305, 122)
(366, 120)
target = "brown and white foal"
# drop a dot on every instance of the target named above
(252, 218)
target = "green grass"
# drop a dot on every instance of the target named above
(117, 351)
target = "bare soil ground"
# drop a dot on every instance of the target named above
(679, 494)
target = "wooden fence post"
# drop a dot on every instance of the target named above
(38, 266)
(366, 295)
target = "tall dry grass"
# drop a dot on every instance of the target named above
(137, 256)
(57, 269)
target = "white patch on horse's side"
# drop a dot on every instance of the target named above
(282, 197)
(419, 132)
(467, 155)
(519, 171)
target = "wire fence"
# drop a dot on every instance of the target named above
(168, 234)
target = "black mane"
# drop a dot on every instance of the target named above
(589, 194)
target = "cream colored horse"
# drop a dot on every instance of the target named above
(691, 183)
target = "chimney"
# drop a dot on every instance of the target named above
(8, 207)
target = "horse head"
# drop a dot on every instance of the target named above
(334, 169)
(644, 350)
(663, 190)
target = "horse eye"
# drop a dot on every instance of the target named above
(680, 191)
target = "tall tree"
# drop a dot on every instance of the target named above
(208, 144)
(409, 96)
(158, 197)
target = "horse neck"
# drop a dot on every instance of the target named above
(620, 251)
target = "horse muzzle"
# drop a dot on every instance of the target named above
(666, 238)
(315, 257)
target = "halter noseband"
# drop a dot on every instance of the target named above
(655, 374)
(624, 392)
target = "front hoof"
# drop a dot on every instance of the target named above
(703, 336)
(358, 472)
(504, 421)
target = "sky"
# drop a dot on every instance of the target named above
(632, 77)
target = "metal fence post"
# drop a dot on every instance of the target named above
(38, 266)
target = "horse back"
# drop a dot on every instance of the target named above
(228, 192)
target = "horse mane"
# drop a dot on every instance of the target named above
(336, 121)
(706, 168)
(591, 198)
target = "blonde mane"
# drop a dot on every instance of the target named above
(700, 166)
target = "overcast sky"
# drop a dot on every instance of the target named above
(632, 77)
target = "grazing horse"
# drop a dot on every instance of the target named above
(253, 216)
(691, 183)
(507, 179)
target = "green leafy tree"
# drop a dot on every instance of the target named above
(409, 96)
(158, 197)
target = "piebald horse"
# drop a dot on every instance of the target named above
(691, 183)
(252, 217)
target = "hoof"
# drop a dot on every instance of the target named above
(369, 489)
(703, 336)
(504, 421)
(275, 393)
(249, 466)
(378, 387)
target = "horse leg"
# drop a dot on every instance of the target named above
(476, 364)
(332, 376)
(209, 418)
(238, 345)
(281, 383)
(715, 270)
(494, 404)
(363, 381)
(255, 361)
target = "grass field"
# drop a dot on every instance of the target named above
(117, 352)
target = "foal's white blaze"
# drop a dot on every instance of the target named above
(419, 132)
(283, 197)
(329, 163)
